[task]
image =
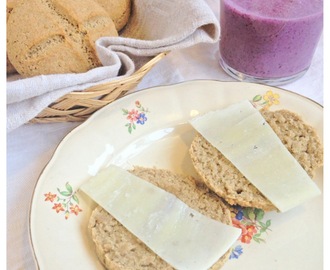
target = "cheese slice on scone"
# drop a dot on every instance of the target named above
(250, 145)
(187, 227)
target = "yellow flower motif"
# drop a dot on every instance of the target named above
(271, 98)
(67, 215)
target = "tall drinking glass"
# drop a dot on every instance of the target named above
(269, 41)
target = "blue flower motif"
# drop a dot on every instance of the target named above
(236, 252)
(141, 119)
(239, 215)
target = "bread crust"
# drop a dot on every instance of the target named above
(118, 10)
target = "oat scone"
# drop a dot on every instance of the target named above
(221, 176)
(299, 138)
(117, 248)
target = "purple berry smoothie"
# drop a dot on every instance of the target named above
(270, 38)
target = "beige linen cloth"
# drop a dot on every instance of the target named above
(155, 26)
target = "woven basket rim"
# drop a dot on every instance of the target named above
(79, 105)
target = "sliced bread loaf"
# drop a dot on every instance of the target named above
(221, 176)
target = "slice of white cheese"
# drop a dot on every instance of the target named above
(244, 137)
(178, 234)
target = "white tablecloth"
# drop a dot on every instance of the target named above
(31, 146)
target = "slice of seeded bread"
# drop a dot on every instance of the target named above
(117, 248)
(221, 176)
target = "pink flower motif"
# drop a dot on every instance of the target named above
(247, 231)
(239, 225)
(138, 104)
(246, 238)
(251, 230)
(133, 115)
(58, 207)
(75, 209)
(50, 197)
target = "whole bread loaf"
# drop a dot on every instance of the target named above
(117, 248)
(221, 176)
(56, 36)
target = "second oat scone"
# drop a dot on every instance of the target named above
(221, 176)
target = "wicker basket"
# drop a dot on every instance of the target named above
(79, 105)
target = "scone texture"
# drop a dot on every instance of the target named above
(300, 138)
(117, 248)
(56, 36)
(221, 176)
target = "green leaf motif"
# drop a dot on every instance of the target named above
(257, 235)
(246, 212)
(130, 128)
(258, 239)
(257, 98)
(125, 111)
(260, 214)
(65, 193)
(68, 187)
(249, 213)
(75, 198)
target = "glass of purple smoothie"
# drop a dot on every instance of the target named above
(269, 41)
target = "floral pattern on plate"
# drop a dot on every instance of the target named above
(267, 100)
(66, 201)
(250, 221)
(135, 116)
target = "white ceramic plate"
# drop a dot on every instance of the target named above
(149, 128)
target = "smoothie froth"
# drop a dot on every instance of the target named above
(270, 39)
